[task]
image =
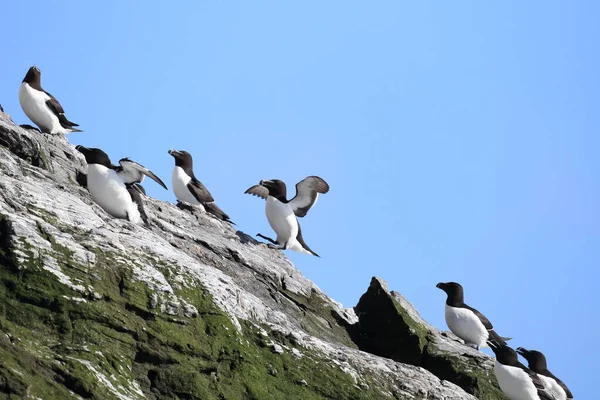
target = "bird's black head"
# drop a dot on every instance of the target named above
(94, 156)
(535, 359)
(504, 354)
(454, 291)
(33, 77)
(276, 188)
(183, 159)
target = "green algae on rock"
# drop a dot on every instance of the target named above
(94, 307)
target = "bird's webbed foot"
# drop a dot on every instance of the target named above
(268, 239)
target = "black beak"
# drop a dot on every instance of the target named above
(441, 285)
(173, 152)
(264, 182)
(81, 148)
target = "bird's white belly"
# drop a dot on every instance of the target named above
(554, 388)
(109, 192)
(282, 219)
(515, 383)
(33, 103)
(179, 181)
(466, 325)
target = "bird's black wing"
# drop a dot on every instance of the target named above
(560, 383)
(258, 190)
(307, 193)
(537, 382)
(199, 191)
(136, 196)
(57, 109)
(486, 322)
(565, 388)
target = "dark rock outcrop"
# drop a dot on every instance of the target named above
(94, 307)
(389, 326)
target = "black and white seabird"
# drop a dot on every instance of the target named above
(464, 321)
(537, 363)
(115, 188)
(282, 213)
(516, 380)
(190, 190)
(41, 107)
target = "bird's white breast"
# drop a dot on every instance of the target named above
(515, 383)
(282, 219)
(179, 181)
(33, 103)
(466, 325)
(554, 388)
(109, 192)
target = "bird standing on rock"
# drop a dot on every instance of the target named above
(464, 321)
(41, 107)
(190, 190)
(537, 363)
(517, 381)
(282, 213)
(116, 188)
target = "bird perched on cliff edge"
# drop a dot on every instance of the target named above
(537, 363)
(282, 213)
(190, 190)
(41, 107)
(116, 188)
(464, 321)
(516, 380)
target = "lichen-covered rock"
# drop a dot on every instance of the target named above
(190, 308)
(389, 326)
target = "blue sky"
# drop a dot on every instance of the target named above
(460, 139)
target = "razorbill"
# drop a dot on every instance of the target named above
(190, 190)
(41, 107)
(464, 321)
(282, 213)
(116, 188)
(537, 363)
(516, 380)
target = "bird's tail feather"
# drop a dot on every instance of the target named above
(214, 209)
(497, 338)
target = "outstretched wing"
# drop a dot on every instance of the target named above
(199, 191)
(307, 193)
(258, 190)
(133, 172)
(57, 109)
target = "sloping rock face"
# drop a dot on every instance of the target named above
(189, 308)
(389, 326)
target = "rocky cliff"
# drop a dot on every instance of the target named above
(189, 308)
